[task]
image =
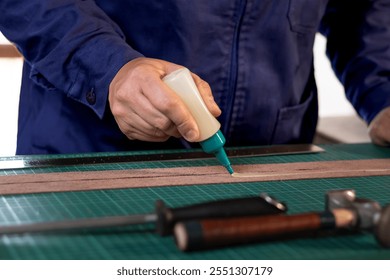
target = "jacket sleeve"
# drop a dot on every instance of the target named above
(358, 45)
(71, 45)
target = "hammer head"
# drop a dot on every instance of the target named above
(367, 211)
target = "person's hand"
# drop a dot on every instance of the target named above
(379, 128)
(146, 109)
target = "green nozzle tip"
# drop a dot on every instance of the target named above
(224, 160)
(230, 169)
(214, 145)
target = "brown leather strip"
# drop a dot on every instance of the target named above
(137, 178)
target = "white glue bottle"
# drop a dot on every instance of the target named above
(211, 138)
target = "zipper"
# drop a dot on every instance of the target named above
(232, 81)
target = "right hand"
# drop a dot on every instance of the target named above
(146, 109)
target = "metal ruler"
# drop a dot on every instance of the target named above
(20, 162)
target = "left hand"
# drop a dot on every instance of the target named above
(379, 128)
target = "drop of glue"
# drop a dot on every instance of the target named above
(247, 175)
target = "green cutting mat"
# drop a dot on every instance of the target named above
(140, 242)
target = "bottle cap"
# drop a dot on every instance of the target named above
(214, 143)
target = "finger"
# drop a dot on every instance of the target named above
(135, 110)
(151, 119)
(136, 135)
(207, 96)
(129, 120)
(137, 132)
(170, 105)
(138, 123)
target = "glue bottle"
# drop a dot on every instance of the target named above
(211, 138)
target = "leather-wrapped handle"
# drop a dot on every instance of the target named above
(234, 207)
(203, 234)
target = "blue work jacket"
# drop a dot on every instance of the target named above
(255, 54)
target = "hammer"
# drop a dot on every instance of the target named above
(342, 211)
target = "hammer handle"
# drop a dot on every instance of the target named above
(235, 207)
(192, 235)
